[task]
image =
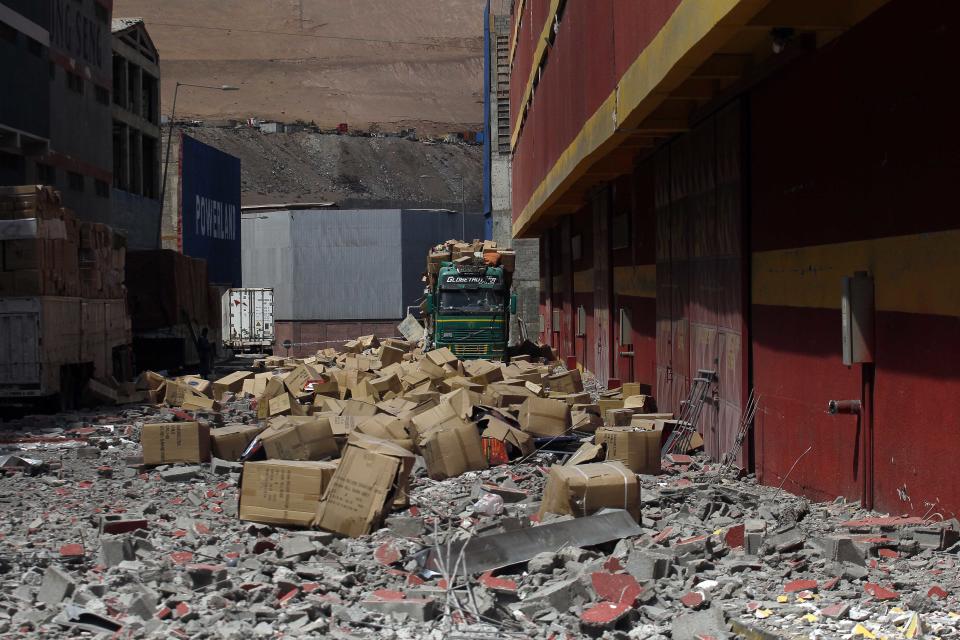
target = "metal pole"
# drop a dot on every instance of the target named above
(166, 167)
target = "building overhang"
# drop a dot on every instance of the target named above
(22, 143)
(705, 54)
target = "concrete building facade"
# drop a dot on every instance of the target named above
(136, 133)
(759, 188)
(25, 108)
(497, 174)
(80, 160)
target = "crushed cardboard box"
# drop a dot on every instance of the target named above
(545, 417)
(371, 478)
(299, 438)
(228, 443)
(582, 490)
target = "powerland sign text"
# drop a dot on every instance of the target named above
(210, 209)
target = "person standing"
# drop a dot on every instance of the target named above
(205, 351)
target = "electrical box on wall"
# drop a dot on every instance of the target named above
(857, 310)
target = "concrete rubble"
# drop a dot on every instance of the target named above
(105, 546)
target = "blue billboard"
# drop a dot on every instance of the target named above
(210, 209)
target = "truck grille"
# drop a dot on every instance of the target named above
(470, 349)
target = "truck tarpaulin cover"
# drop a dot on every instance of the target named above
(210, 209)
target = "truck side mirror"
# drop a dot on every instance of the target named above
(428, 304)
(513, 304)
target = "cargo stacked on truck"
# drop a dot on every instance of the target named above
(63, 311)
(468, 300)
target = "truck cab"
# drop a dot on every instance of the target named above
(468, 310)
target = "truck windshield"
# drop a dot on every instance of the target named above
(471, 301)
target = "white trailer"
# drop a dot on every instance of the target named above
(248, 319)
(50, 346)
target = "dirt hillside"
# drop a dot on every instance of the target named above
(396, 63)
(350, 171)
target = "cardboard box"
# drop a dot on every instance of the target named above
(636, 449)
(617, 417)
(483, 372)
(228, 443)
(442, 416)
(521, 442)
(370, 480)
(441, 356)
(232, 383)
(390, 355)
(500, 394)
(171, 442)
(568, 382)
(584, 489)
(452, 450)
(299, 438)
(545, 417)
(606, 404)
(640, 403)
(199, 385)
(273, 388)
(149, 380)
(628, 389)
(176, 392)
(283, 492)
(386, 384)
(199, 403)
(387, 427)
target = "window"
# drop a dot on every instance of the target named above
(626, 327)
(620, 231)
(75, 82)
(46, 174)
(102, 189)
(576, 247)
(8, 33)
(581, 321)
(103, 96)
(75, 181)
(556, 320)
(34, 47)
(467, 301)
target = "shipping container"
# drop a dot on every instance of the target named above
(51, 346)
(247, 319)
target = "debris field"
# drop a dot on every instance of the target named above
(378, 490)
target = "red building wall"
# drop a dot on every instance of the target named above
(595, 43)
(855, 153)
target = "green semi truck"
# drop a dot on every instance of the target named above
(468, 307)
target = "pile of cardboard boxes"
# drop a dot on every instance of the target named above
(459, 252)
(338, 433)
(47, 251)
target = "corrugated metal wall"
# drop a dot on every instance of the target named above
(345, 264)
(326, 265)
(700, 303)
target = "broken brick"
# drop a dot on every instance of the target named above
(604, 614)
(880, 593)
(616, 587)
(800, 585)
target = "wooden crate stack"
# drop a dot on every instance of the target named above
(46, 251)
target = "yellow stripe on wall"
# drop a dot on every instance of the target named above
(913, 274)
(639, 281)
